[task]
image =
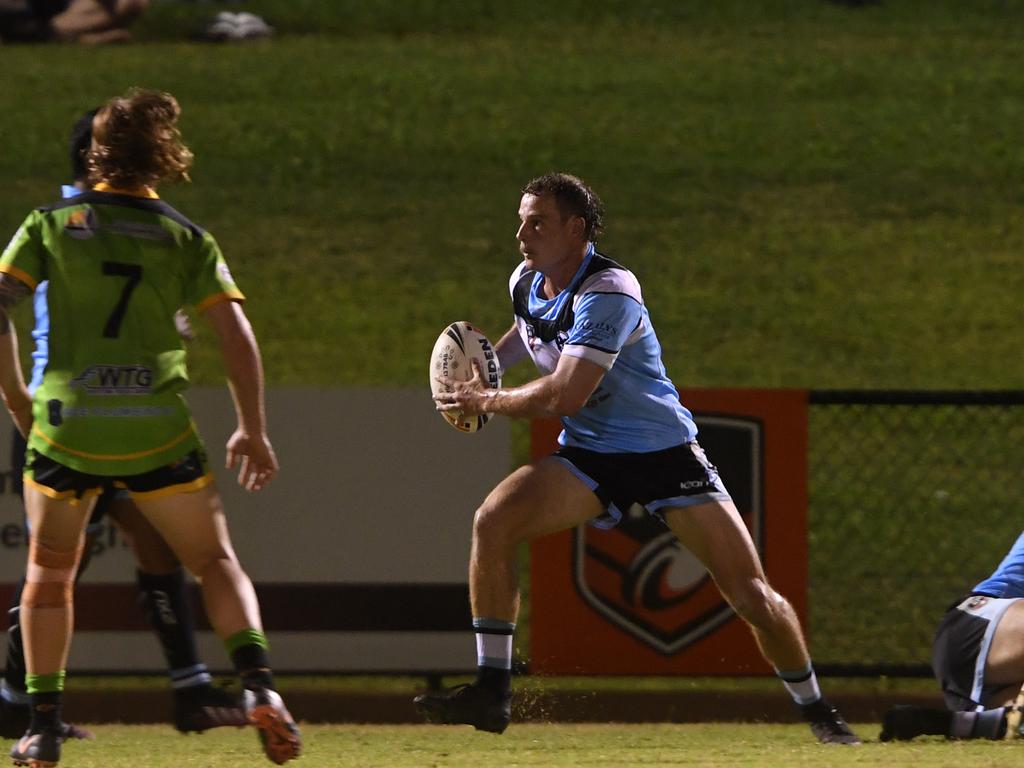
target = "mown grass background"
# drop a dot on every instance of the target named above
(615, 746)
(812, 194)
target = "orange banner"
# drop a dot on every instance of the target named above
(631, 600)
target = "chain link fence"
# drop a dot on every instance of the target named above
(914, 498)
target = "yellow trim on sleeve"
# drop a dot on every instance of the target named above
(190, 487)
(46, 490)
(113, 456)
(217, 298)
(20, 274)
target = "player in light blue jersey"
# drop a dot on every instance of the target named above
(627, 439)
(600, 317)
(978, 659)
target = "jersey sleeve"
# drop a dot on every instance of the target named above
(24, 257)
(211, 281)
(604, 322)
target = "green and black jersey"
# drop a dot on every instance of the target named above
(116, 267)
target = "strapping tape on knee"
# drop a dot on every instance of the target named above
(51, 594)
(47, 566)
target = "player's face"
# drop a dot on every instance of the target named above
(547, 241)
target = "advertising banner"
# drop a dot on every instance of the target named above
(358, 549)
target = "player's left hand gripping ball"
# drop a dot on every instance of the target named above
(456, 349)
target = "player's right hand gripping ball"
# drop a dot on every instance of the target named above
(457, 346)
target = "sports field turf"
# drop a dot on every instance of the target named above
(611, 745)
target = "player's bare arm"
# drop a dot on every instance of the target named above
(562, 393)
(12, 383)
(249, 447)
(12, 292)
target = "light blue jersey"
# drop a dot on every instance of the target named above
(1008, 578)
(601, 317)
(41, 329)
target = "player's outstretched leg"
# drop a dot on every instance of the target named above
(714, 531)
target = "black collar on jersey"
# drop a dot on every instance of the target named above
(153, 205)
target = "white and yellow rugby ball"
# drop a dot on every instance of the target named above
(458, 345)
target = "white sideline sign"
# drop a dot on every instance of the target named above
(376, 492)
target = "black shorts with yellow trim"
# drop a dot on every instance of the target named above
(189, 473)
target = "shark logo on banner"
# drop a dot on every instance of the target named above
(641, 579)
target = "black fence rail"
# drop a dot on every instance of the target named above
(915, 496)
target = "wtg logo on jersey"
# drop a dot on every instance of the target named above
(642, 580)
(115, 380)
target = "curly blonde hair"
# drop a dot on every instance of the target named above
(136, 142)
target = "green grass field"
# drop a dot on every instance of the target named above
(811, 194)
(612, 745)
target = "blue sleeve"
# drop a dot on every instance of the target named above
(604, 321)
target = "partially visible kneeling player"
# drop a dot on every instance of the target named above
(978, 659)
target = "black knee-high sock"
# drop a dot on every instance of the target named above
(14, 673)
(164, 600)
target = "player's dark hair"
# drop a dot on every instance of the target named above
(79, 143)
(136, 141)
(573, 197)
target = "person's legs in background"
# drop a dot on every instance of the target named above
(194, 525)
(163, 596)
(96, 22)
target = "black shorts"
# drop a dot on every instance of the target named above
(960, 650)
(108, 495)
(57, 481)
(680, 476)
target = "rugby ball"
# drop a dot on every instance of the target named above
(454, 352)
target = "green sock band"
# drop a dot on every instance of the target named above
(246, 637)
(51, 683)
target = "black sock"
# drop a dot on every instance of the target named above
(46, 710)
(253, 666)
(987, 724)
(164, 600)
(493, 679)
(14, 674)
